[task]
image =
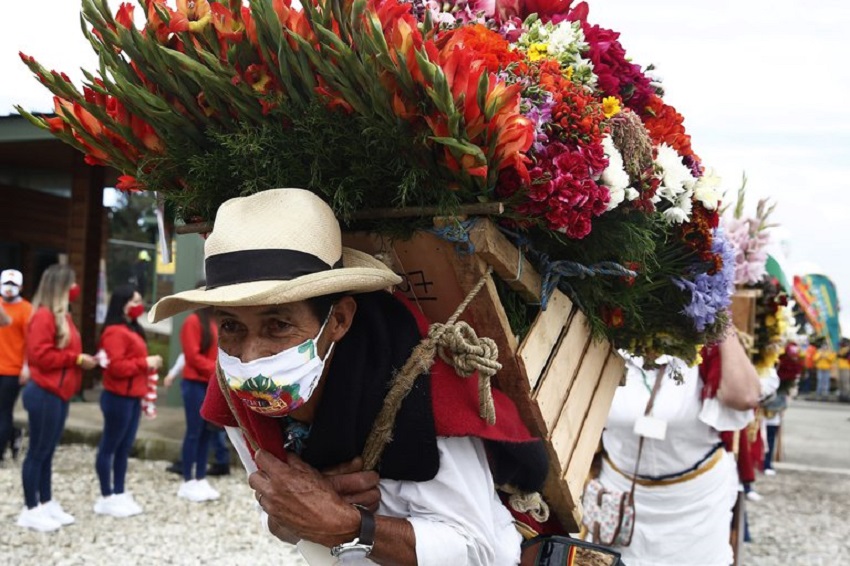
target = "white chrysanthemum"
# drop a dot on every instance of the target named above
(614, 177)
(680, 211)
(707, 190)
(676, 178)
(563, 37)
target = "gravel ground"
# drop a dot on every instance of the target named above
(803, 520)
(170, 531)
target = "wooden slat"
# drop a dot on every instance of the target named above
(594, 423)
(506, 259)
(553, 388)
(568, 427)
(546, 331)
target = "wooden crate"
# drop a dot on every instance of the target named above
(561, 380)
(743, 309)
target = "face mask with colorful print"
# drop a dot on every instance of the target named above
(276, 385)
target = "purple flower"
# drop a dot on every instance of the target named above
(711, 294)
(539, 112)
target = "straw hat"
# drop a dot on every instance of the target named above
(274, 247)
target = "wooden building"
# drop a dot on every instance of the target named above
(51, 209)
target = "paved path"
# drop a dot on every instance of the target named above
(804, 518)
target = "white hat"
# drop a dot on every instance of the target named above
(12, 276)
(274, 247)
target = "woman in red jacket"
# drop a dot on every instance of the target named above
(199, 338)
(56, 362)
(125, 382)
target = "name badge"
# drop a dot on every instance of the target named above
(651, 427)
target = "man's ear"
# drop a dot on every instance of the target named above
(341, 318)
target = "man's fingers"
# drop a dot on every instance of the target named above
(259, 482)
(355, 465)
(268, 462)
(348, 484)
(368, 499)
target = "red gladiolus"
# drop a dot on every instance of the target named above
(124, 16)
(227, 27)
(665, 125)
(129, 184)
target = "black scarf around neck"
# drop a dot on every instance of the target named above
(379, 342)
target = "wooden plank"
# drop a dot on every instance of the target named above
(568, 427)
(554, 386)
(743, 309)
(423, 262)
(507, 260)
(594, 423)
(536, 350)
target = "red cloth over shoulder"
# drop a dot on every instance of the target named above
(709, 371)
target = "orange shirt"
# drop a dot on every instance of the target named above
(13, 338)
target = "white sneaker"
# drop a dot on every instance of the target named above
(55, 511)
(111, 505)
(770, 472)
(209, 491)
(126, 501)
(192, 491)
(754, 497)
(38, 520)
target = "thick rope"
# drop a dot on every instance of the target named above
(225, 390)
(462, 349)
(531, 503)
(419, 362)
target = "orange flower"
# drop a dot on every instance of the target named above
(489, 47)
(665, 125)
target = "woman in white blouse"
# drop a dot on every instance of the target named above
(686, 482)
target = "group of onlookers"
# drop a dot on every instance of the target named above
(41, 354)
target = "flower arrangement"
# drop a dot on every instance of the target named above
(772, 324)
(420, 103)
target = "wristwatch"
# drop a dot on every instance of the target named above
(362, 545)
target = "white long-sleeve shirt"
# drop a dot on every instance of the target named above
(457, 518)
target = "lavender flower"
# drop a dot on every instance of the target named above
(711, 294)
(540, 113)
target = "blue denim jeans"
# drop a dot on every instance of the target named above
(46, 415)
(196, 443)
(120, 424)
(9, 389)
(823, 382)
(772, 430)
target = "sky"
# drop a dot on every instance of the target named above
(763, 86)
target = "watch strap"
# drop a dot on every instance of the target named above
(367, 526)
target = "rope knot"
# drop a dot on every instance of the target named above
(459, 346)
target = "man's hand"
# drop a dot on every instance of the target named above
(354, 485)
(301, 501)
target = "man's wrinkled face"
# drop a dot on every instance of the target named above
(250, 333)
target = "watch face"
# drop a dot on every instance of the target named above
(352, 549)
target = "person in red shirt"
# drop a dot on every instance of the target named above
(199, 339)
(15, 313)
(125, 382)
(56, 363)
